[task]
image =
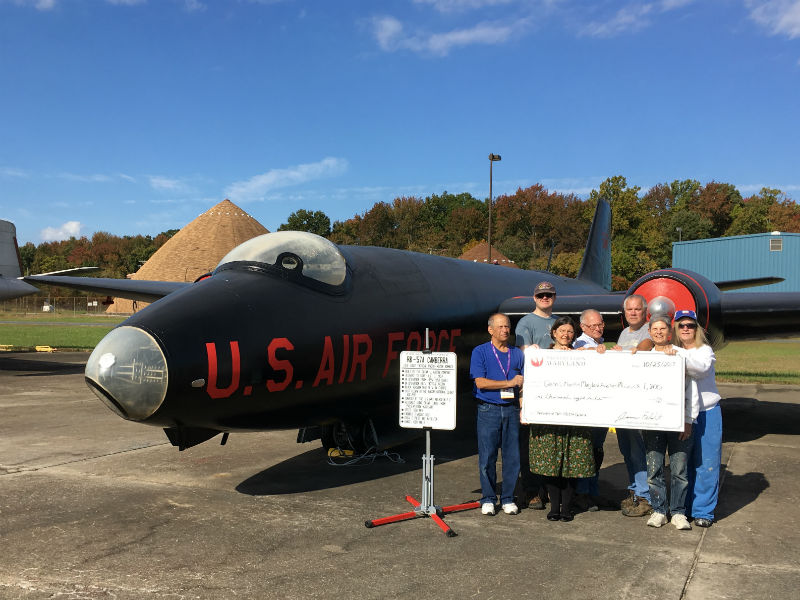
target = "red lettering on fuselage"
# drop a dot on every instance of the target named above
(414, 343)
(345, 356)
(414, 338)
(443, 335)
(326, 365)
(359, 358)
(391, 353)
(211, 388)
(279, 365)
(454, 333)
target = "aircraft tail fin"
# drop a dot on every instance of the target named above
(596, 263)
(10, 263)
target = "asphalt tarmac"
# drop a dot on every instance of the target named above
(92, 506)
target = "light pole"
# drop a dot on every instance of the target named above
(492, 158)
(680, 233)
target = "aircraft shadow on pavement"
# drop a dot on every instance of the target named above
(747, 419)
(310, 471)
(40, 365)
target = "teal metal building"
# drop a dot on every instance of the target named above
(773, 254)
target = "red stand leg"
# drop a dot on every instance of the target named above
(414, 514)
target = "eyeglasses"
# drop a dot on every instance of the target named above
(546, 295)
(687, 325)
(595, 325)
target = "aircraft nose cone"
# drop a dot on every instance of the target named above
(128, 372)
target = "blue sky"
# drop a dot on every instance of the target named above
(135, 116)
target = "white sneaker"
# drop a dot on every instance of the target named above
(487, 508)
(657, 520)
(510, 508)
(680, 522)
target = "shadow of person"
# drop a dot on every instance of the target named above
(738, 491)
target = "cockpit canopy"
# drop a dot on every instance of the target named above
(315, 257)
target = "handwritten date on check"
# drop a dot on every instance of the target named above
(615, 389)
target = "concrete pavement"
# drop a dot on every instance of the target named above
(92, 506)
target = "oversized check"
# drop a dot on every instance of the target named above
(614, 389)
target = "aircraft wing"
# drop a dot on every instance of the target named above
(14, 288)
(133, 289)
(738, 284)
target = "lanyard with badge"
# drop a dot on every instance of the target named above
(506, 393)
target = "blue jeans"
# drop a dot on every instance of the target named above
(589, 485)
(631, 446)
(658, 443)
(706, 463)
(498, 429)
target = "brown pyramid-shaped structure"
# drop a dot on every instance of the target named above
(196, 249)
(480, 253)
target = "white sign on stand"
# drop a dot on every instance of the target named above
(428, 390)
(614, 389)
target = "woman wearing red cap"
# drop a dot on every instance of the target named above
(706, 459)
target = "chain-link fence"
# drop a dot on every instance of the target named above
(78, 305)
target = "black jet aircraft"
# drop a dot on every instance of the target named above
(293, 331)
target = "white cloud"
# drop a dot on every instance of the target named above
(387, 31)
(63, 232)
(37, 4)
(780, 17)
(165, 184)
(445, 6)
(390, 35)
(43, 5)
(96, 178)
(193, 5)
(258, 186)
(630, 18)
(483, 33)
(673, 4)
(12, 172)
(755, 188)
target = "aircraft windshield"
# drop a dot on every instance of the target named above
(321, 259)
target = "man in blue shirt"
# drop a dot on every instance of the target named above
(496, 371)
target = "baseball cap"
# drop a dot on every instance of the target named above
(684, 314)
(544, 286)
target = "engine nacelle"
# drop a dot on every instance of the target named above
(689, 291)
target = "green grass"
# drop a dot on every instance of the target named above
(64, 332)
(62, 317)
(776, 361)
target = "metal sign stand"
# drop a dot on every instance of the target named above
(426, 508)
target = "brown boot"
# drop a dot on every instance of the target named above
(536, 503)
(640, 508)
(627, 502)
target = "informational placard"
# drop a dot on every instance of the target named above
(613, 389)
(428, 390)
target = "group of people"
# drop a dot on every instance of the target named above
(561, 464)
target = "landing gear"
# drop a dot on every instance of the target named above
(356, 439)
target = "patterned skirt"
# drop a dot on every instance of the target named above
(561, 451)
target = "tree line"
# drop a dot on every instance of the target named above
(115, 256)
(534, 227)
(537, 228)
